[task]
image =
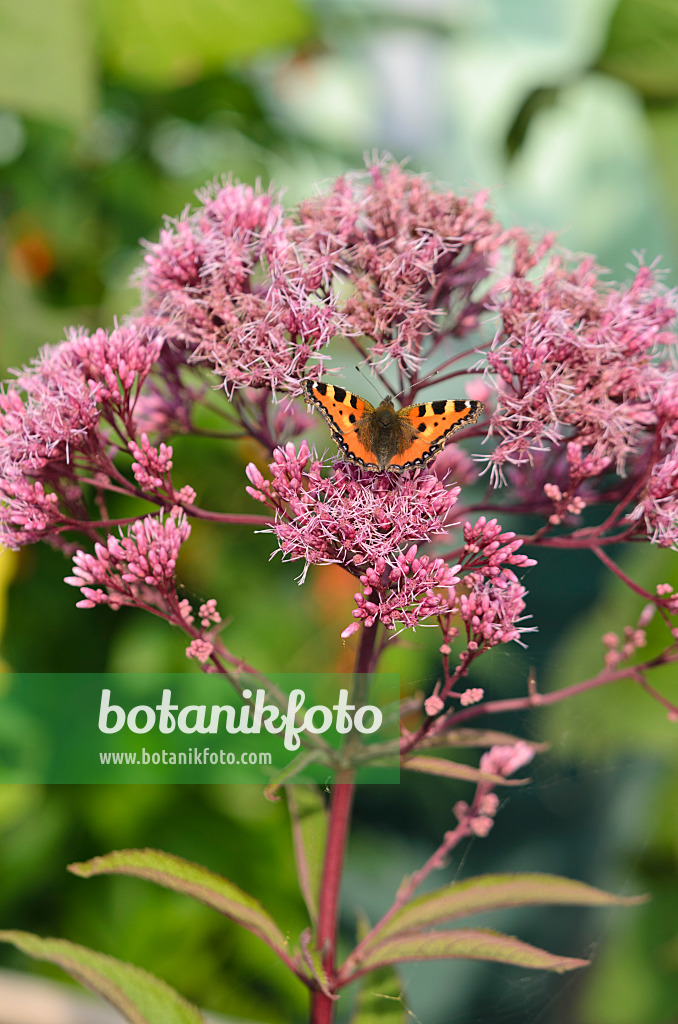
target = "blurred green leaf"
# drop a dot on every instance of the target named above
(161, 44)
(619, 716)
(642, 46)
(495, 892)
(191, 880)
(478, 738)
(309, 830)
(466, 944)
(662, 120)
(142, 998)
(453, 770)
(47, 60)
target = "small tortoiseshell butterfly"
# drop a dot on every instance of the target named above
(383, 439)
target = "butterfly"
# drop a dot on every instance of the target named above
(385, 438)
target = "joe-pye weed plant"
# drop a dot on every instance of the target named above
(241, 301)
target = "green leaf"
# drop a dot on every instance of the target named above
(295, 767)
(380, 1000)
(309, 831)
(185, 42)
(465, 944)
(142, 998)
(313, 959)
(642, 46)
(192, 880)
(478, 738)
(47, 60)
(453, 770)
(496, 892)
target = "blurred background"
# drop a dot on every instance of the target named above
(111, 113)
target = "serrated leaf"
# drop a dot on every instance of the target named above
(380, 1000)
(309, 831)
(497, 892)
(464, 944)
(444, 768)
(192, 880)
(140, 997)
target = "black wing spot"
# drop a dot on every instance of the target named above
(351, 418)
(339, 394)
(321, 387)
(460, 406)
(354, 402)
(422, 410)
(422, 426)
(438, 408)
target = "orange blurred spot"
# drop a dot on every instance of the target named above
(31, 256)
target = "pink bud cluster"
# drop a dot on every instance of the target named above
(132, 568)
(151, 465)
(478, 818)
(489, 549)
(404, 596)
(118, 361)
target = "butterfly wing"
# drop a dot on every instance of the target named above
(433, 424)
(343, 411)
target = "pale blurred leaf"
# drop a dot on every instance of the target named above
(47, 60)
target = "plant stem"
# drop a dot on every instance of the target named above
(341, 803)
(322, 1005)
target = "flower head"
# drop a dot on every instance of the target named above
(414, 255)
(352, 516)
(119, 571)
(233, 285)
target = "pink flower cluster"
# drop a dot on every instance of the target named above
(252, 294)
(415, 589)
(584, 375)
(372, 524)
(134, 569)
(492, 609)
(233, 284)
(352, 516)
(60, 420)
(414, 255)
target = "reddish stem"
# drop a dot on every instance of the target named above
(322, 1005)
(341, 803)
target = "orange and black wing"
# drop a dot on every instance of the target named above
(433, 424)
(343, 411)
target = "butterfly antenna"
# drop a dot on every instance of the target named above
(369, 380)
(433, 373)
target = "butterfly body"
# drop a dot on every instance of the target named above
(386, 439)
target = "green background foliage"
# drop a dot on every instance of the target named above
(111, 114)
